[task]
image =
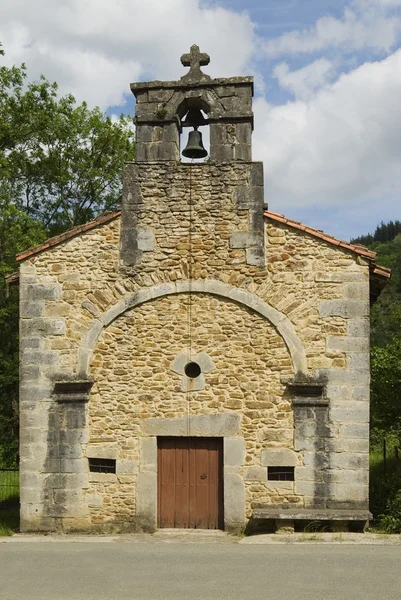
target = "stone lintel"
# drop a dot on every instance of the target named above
(142, 86)
(219, 425)
(282, 457)
(247, 117)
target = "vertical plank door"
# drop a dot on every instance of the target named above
(190, 488)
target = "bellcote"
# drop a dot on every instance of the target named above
(161, 108)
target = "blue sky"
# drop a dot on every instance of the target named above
(327, 84)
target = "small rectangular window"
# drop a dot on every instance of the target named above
(102, 465)
(280, 473)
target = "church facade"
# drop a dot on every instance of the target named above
(195, 360)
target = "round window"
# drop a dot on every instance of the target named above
(192, 370)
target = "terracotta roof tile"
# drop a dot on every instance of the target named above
(67, 235)
(357, 248)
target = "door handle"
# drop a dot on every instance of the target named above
(203, 476)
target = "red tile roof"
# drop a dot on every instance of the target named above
(67, 235)
(357, 248)
(381, 274)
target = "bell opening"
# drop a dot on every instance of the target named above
(195, 136)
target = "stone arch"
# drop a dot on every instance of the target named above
(202, 286)
(207, 100)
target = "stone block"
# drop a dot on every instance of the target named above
(348, 445)
(105, 450)
(102, 478)
(358, 361)
(146, 501)
(148, 454)
(280, 485)
(308, 474)
(347, 477)
(234, 451)
(354, 462)
(361, 393)
(345, 377)
(350, 414)
(255, 256)
(340, 277)
(309, 488)
(34, 343)
(359, 328)
(343, 308)
(242, 152)
(40, 357)
(279, 458)
(73, 465)
(126, 467)
(42, 291)
(316, 459)
(351, 493)
(357, 291)
(32, 308)
(309, 444)
(243, 239)
(43, 326)
(145, 239)
(94, 500)
(354, 430)
(255, 474)
(29, 373)
(234, 502)
(347, 344)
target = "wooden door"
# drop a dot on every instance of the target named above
(190, 489)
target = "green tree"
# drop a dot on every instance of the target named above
(17, 230)
(386, 386)
(386, 313)
(61, 165)
(62, 161)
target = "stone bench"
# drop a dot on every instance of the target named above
(339, 519)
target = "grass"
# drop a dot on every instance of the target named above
(9, 520)
(385, 480)
(9, 502)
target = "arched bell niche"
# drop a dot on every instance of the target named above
(193, 114)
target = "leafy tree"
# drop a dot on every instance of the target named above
(17, 230)
(62, 161)
(386, 386)
(60, 165)
(386, 313)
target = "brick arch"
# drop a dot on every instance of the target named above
(204, 286)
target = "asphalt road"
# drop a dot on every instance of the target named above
(120, 571)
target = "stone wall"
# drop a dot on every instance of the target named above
(318, 296)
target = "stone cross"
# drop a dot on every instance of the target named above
(195, 60)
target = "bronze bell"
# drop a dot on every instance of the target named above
(194, 147)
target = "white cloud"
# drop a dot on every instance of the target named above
(95, 48)
(342, 145)
(304, 82)
(368, 25)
